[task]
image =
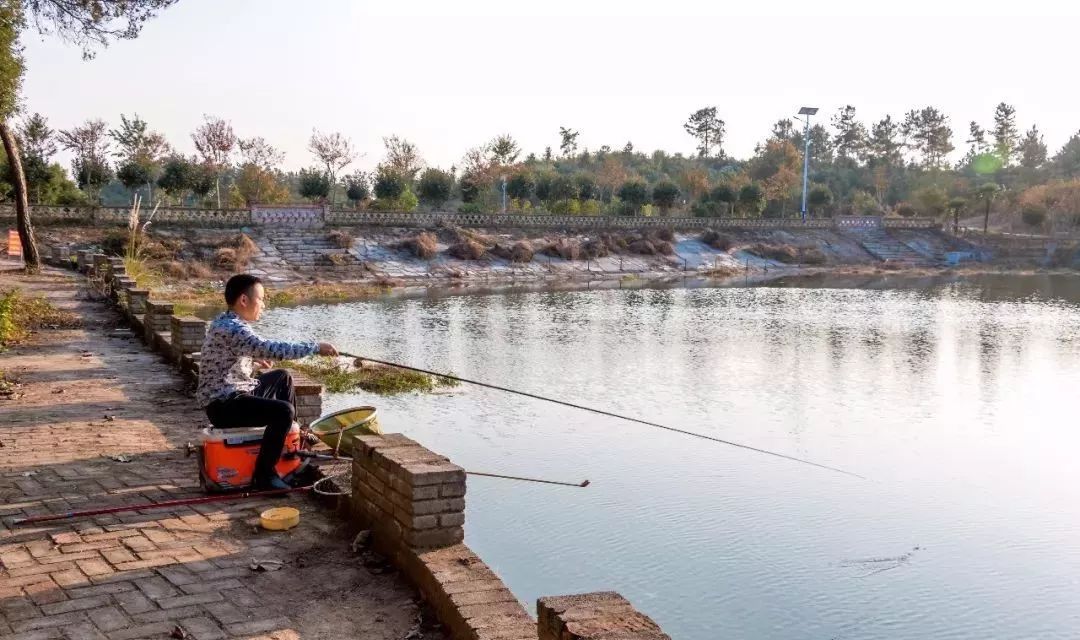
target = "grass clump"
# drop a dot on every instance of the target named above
(717, 240)
(19, 315)
(467, 249)
(787, 253)
(423, 245)
(341, 239)
(521, 251)
(235, 253)
(339, 377)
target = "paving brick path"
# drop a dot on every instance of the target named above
(94, 393)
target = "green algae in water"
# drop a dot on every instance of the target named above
(342, 378)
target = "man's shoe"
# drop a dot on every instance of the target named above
(273, 483)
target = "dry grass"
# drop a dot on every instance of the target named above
(787, 253)
(175, 269)
(564, 248)
(521, 251)
(717, 240)
(20, 315)
(341, 239)
(334, 259)
(595, 248)
(423, 245)
(651, 247)
(235, 253)
(667, 235)
(467, 249)
(200, 270)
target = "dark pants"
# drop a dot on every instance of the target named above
(271, 404)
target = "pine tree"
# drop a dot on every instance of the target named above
(1006, 135)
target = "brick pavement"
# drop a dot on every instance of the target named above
(94, 393)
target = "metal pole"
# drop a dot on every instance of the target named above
(805, 165)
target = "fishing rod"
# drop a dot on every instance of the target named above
(359, 360)
(583, 483)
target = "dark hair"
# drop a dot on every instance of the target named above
(238, 285)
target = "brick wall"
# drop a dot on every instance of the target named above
(604, 615)
(409, 495)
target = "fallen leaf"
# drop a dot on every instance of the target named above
(120, 458)
(179, 633)
(109, 418)
(58, 390)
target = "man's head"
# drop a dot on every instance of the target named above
(244, 295)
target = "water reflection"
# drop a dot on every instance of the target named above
(955, 400)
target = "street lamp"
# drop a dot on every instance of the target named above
(806, 111)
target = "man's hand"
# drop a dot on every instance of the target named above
(264, 364)
(327, 349)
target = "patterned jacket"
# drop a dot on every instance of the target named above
(227, 353)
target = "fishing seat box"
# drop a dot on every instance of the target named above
(227, 457)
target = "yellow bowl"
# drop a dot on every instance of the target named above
(280, 518)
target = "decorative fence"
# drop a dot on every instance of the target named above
(301, 216)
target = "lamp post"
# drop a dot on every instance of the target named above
(807, 112)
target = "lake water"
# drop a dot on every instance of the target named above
(956, 400)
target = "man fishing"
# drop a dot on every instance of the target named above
(230, 395)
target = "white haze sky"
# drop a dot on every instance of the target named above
(450, 75)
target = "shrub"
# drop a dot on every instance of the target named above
(115, 243)
(665, 234)
(471, 207)
(590, 208)
(314, 184)
(1033, 215)
(633, 195)
(520, 186)
(665, 194)
(435, 187)
(566, 207)
(356, 187)
(717, 240)
(389, 184)
(905, 209)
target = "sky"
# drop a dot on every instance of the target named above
(451, 75)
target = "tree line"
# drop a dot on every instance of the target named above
(888, 167)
